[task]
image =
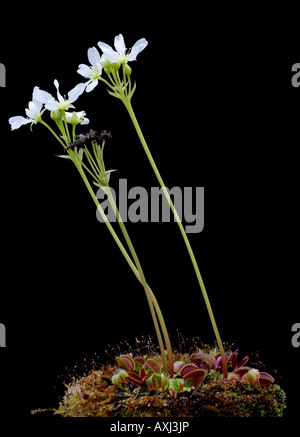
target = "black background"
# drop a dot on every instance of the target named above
(215, 102)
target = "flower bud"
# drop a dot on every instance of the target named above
(105, 63)
(116, 65)
(56, 115)
(75, 118)
(127, 70)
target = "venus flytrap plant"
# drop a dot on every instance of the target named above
(112, 61)
(202, 375)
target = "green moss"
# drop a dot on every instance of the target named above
(95, 395)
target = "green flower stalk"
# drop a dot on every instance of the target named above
(119, 84)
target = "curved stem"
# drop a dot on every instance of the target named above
(186, 240)
(53, 133)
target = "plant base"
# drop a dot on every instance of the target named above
(95, 396)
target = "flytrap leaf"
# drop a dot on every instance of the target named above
(198, 378)
(205, 360)
(139, 361)
(178, 365)
(154, 365)
(241, 371)
(134, 378)
(127, 362)
(143, 374)
(120, 377)
(265, 379)
(152, 382)
(188, 371)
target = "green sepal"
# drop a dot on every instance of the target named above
(115, 95)
(64, 156)
(132, 91)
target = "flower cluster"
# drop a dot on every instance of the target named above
(109, 60)
(57, 107)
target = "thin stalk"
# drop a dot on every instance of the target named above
(101, 172)
(150, 296)
(147, 289)
(129, 108)
(53, 133)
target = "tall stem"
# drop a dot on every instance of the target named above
(148, 292)
(137, 271)
(129, 108)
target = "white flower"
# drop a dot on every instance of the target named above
(93, 72)
(61, 103)
(76, 118)
(120, 54)
(33, 112)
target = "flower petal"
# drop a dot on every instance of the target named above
(84, 70)
(52, 105)
(99, 68)
(59, 96)
(93, 56)
(31, 111)
(91, 85)
(136, 49)
(18, 121)
(76, 92)
(85, 120)
(120, 44)
(106, 49)
(109, 53)
(38, 105)
(40, 95)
